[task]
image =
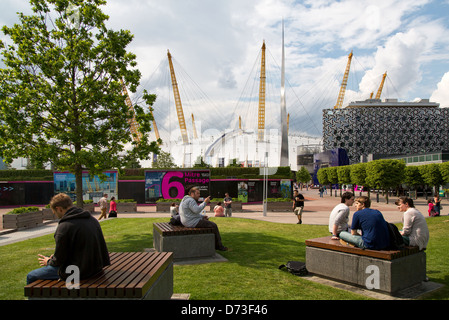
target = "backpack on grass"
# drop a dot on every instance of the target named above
(297, 268)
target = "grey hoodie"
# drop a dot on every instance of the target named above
(190, 211)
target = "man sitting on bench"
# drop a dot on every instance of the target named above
(191, 217)
(79, 242)
(375, 234)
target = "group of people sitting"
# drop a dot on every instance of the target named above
(369, 230)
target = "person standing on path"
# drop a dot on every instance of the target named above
(227, 205)
(298, 205)
(103, 203)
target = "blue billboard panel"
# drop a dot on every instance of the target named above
(93, 186)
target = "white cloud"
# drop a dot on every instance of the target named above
(217, 43)
(441, 94)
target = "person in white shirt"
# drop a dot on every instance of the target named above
(415, 231)
(339, 217)
(191, 217)
(103, 203)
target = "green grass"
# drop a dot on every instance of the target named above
(257, 249)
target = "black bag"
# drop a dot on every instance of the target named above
(396, 240)
(112, 214)
(297, 268)
(176, 220)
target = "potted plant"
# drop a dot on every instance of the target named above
(47, 213)
(89, 205)
(279, 204)
(23, 217)
(163, 205)
(126, 205)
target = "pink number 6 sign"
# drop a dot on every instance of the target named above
(167, 185)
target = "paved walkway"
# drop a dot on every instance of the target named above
(316, 211)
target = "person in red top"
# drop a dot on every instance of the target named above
(112, 208)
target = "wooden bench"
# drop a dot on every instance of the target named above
(397, 269)
(328, 243)
(184, 242)
(131, 275)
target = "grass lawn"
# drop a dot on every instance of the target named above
(257, 249)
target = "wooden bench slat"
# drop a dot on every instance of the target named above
(125, 275)
(91, 283)
(130, 274)
(148, 276)
(127, 282)
(328, 243)
(113, 273)
(35, 288)
(167, 229)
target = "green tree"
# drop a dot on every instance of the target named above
(199, 163)
(332, 176)
(444, 170)
(233, 163)
(412, 177)
(61, 93)
(385, 174)
(303, 176)
(358, 175)
(344, 175)
(431, 175)
(164, 160)
(322, 176)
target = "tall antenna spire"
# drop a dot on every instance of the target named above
(284, 141)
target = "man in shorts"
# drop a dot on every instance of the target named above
(298, 205)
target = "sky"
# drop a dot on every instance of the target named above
(216, 46)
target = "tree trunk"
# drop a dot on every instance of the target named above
(79, 185)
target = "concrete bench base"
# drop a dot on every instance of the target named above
(389, 276)
(185, 246)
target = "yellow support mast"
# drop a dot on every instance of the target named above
(132, 122)
(261, 117)
(379, 91)
(179, 111)
(156, 131)
(341, 95)
(195, 134)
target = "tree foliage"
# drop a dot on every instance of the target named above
(164, 160)
(61, 93)
(303, 175)
(431, 174)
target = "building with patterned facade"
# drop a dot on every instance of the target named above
(386, 128)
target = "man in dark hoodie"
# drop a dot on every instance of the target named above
(79, 242)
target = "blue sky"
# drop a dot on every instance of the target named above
(218, 42)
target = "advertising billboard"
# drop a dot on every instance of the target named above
(175, 184)
(93, 186)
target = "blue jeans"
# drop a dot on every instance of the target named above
(353, 239)
(44, 273)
